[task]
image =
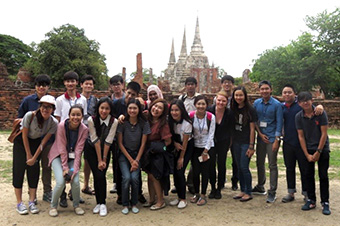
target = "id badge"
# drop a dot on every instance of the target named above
(263, 124)
(71, 155)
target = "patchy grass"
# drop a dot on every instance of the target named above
(6, 171)
(335, 132)
(5, 131)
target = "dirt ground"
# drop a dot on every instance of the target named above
(225, 211)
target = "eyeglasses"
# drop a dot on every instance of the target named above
(46, 106)
(42, 84)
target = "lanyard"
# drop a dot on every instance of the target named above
(69, 101)
(199, 125)
(88, 103)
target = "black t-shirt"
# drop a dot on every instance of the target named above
(241, 132)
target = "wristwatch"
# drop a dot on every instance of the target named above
(319, 150)
(278, 138)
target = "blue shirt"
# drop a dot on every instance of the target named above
(269, 113)
(119, 107)
(29, 103)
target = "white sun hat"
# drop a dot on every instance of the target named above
(48, 99)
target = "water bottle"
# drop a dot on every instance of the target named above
(69, 175)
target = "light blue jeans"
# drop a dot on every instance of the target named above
(242, 162)
(60, 183)
(127, 179)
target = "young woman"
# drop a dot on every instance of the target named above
(102, 129)
(132, 136)
(181, 129)
(157, 161)
(153, 93)
(222, 143)
(65, 157)
(243, 139)
(204, 131)
(37, 127)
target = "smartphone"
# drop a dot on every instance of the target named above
(200, 159)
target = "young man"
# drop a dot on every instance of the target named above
(269, 127)
(120, 109)
(188, 99)
(117, 88)
(63, 104)
(87, 85)
(31, 103)
(312, 131)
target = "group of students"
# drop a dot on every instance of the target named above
(161, 139)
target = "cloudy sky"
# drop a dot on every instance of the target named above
(233, 33)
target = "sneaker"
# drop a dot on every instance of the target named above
(212, 194)
(325, 208)
(21, 209)
(102, 210)
(174, 190)
(125, 210)
(141, 199)
(114, 189)
(47, 196)
(174, 202)
(308, 205)
(218, 194)
(182, 204)
(81, 201)
(288, 198)
(271, 198)
(135, 210)
(96, 209)
(35, 201)
(257, 191)
(53, 212)
(33, 208)
(79, 211)
(63, 201)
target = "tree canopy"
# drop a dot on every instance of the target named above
(309, 61)
(13, 53)
(67, 48)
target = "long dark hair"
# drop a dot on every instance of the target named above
(96, 112)
(247, 106)
(140, 115)
(184, 114)
(163, 116)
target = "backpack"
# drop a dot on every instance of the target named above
(209, 116)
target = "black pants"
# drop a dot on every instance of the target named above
(323, 165)
(179, 175)
(200, 168)
(20, 166)
(234, 178)
(99, 176)
(218, 154)
(292, 154)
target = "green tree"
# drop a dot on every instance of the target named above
(13, 53)
(146, 76)
(67, 48)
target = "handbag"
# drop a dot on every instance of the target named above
(16, 128)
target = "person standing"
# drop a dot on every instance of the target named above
(87, 83)
(312, 131)
(37, 128)
(269, 128)
(31, 103)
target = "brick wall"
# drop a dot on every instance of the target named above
(10, 100)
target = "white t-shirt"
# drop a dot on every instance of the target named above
(204, 136)
(184, 128)
(63, 105)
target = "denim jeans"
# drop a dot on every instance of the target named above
(127, 179)
(242, 161)
(60, 183)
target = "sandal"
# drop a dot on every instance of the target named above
(194, 199)
(88, 191)
(202, 201)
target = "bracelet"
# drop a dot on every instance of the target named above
(104, 157)
(204, 153)
(41, 147)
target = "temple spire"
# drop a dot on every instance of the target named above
(183, 53)
(197, 48)
(172, 59)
